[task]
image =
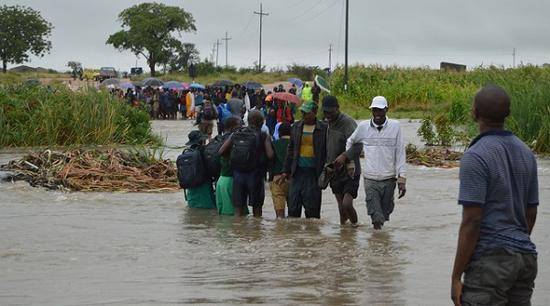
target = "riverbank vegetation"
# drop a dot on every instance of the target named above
(32, 115)
(443, 98)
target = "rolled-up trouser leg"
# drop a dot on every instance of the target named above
(373, 197)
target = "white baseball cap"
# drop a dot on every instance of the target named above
(379, 102)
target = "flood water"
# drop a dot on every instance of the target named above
(61, 248)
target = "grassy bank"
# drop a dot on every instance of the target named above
(14, 78)
(57, 116)
(418, 93)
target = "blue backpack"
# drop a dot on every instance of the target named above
(224, 112)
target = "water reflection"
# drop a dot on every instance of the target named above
(290, 261)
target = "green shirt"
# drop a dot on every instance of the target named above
(225, 167)
(280, 146)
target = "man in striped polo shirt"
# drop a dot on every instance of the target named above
(499, 197)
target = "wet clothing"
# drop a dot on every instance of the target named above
(384, 149)
(499, 174)
(224, 193)
(500, 277)
(379, 198)
(248, 188)
(201, 197)
(224, 190)
(339, 131)
(279, 194)
(304, 191)
(319, 147)
(343, 183)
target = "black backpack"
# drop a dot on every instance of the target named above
(244, 150)
(191, 170)
(212, 158)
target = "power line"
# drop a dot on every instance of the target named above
(316, 15)
(303, 13)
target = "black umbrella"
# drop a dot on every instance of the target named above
(138, 83)
(110, 82)
(152, 82)
(253, 85)
(223, 83)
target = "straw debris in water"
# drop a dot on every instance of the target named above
(95, 170)
(440, 157)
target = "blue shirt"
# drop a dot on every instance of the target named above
(499, 174)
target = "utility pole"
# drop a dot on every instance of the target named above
(329, 58)
(213, 53)
(227, 39)
(262, 14)
(218, 43)
(346, 57)
(514, 58)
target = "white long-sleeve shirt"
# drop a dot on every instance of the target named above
(384, 149)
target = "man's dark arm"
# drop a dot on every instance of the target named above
(269, 147)
(468, 236)
(531, 216)
(226, 146)
(354, 152)
(289, 153)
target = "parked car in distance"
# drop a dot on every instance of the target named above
(106, 73)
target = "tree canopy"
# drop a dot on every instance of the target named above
(148, 31)
(23, 33)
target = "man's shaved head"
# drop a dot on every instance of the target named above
(492, 105)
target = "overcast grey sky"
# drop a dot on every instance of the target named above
(387, 32)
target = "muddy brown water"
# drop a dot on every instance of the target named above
(150, 249)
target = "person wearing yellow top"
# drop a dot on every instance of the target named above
(304, 163)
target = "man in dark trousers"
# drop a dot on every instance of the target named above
(499, 197)
(305, 160)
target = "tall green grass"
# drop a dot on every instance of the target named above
(426, 92)
(39, 116)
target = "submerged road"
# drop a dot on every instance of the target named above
(61, 248)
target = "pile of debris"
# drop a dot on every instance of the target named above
(440, 157)
(95, 170)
